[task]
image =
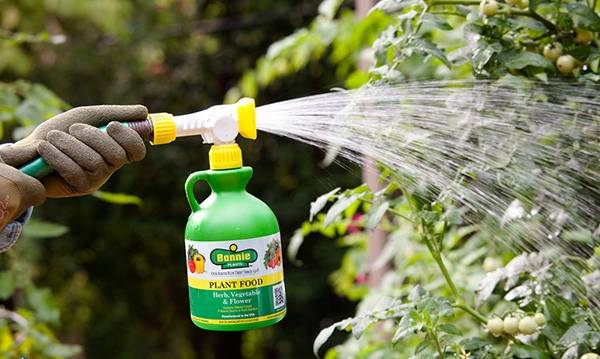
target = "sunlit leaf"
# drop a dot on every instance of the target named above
(118, 198)
(392, 6)
(328, 8)
(339, 206)
(294, 246)
(324, 334)
(376, 213)
(320, 202)
(42, 229)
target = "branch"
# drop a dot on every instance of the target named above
(532, 14)
(15, 317)
(454, 2)
(475, 314)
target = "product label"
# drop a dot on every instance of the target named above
(235, 282)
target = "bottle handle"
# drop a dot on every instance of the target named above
(189, 188)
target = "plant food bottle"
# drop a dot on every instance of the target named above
(233, 250)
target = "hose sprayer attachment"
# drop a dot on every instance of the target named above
(217, 125)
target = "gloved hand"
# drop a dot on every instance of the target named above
(18, 191)
(82, 156)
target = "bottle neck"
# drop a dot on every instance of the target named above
(230, 180)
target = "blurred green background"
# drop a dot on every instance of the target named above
(117, 276)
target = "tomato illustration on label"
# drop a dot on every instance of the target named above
(195, 260)
(273, 254)
(192, 266)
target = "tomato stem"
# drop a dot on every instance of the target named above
(436, 340)
(454, 2)
(468, 309)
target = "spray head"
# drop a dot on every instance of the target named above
(217, 125)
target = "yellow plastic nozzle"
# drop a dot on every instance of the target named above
(222, 157)
(246, 111)
(164, 128)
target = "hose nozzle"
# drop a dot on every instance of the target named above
(218, 124)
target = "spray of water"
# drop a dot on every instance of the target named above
(518, 153)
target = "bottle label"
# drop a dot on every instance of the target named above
(236, 282)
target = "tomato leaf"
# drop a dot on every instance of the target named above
(294, 246)
(339, 206)
(429, 48)
(376, 213)
(320, 202)
(391, 6)
(329, 8)
(324, 335)
(519, 60)
(584, 17)
(528, 351)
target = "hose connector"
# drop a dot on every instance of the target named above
(163, 125)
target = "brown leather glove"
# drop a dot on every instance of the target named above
(83, 156)
(18, 192)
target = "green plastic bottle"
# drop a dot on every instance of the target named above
(233, 250)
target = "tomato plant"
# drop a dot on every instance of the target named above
(451, 291)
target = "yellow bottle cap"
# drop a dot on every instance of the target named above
(222, 157)
(164, 128)
(246, 110)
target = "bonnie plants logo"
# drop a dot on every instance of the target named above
(232, 258)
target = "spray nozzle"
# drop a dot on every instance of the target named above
(218, 124)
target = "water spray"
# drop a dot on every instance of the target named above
(232, 240)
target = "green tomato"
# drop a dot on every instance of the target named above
(584, 37)
(512, 2)
(527, 325)
(495, 326)
(540, 319)
(488, 7)
(590, 356)
(553, 51)
(523, 4)
(511, 325)
(565, 64)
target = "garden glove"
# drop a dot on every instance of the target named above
(83, 156)
(18, 192)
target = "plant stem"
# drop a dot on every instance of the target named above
(475, 314)
(437, 256)
(391, 210)
(449, 13)
(454, 2)
(534, 15)
(511, 11)
(436, 340)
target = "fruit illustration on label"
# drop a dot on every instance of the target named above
(273, 255)
(192, 266)
(195, 260)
